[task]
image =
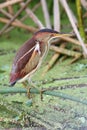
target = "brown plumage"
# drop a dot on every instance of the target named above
(29, 57)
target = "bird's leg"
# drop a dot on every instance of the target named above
(41, 93)
(28, 92)
(25, 84)
(40, 90)
(34, 86)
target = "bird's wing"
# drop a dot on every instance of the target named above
(33, 61)
(25, 62)
(23, 55)
(32, 65)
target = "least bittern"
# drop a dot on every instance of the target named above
(30, 56)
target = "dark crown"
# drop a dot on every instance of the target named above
(46, 30)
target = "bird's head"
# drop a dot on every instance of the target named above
(48, 35)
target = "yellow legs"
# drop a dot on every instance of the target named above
(25, 84)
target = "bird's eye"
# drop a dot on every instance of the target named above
(37, 41)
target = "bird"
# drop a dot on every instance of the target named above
(30, 55)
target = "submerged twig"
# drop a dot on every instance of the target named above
(48, 92)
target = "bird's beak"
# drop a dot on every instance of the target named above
(60, 35)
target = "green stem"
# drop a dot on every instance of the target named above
(48, 92)
(80, 20)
